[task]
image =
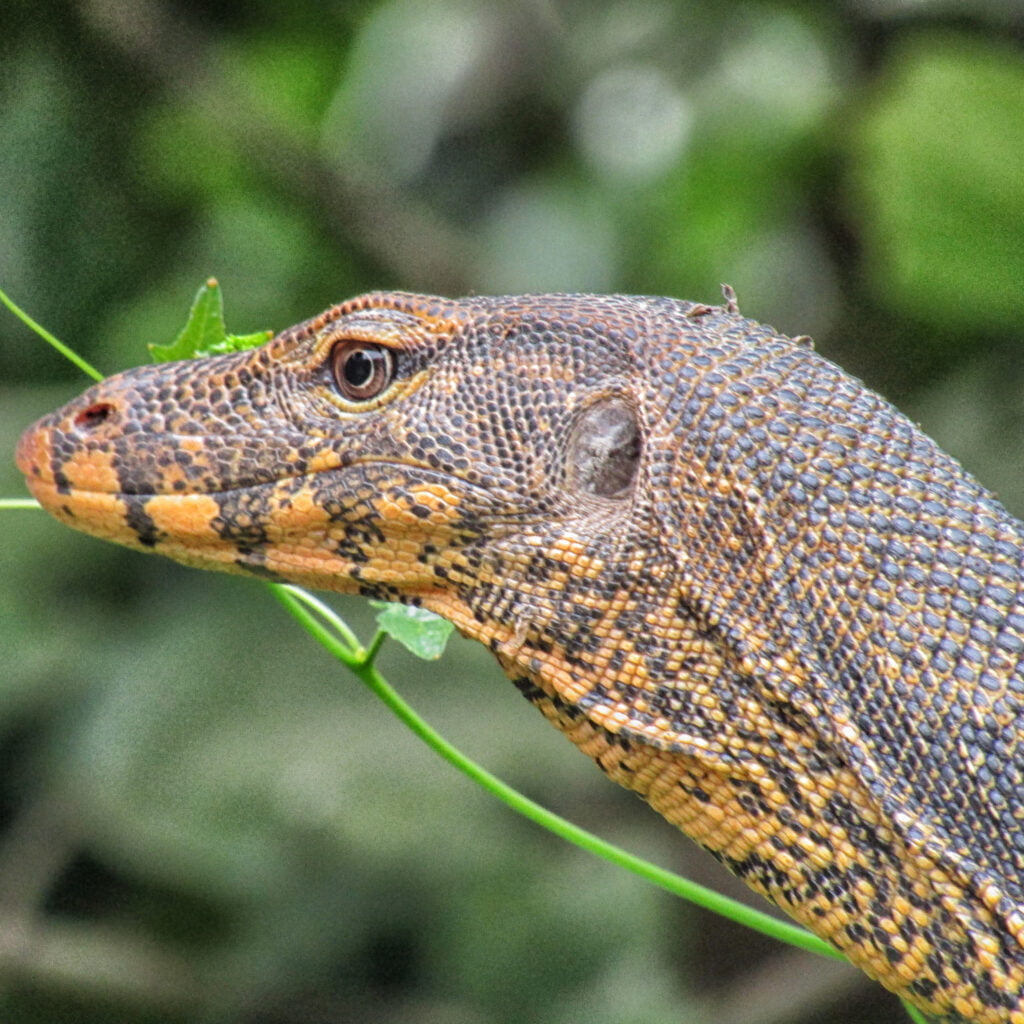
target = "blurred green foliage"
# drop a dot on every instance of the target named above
(938, 175)
(201, 820)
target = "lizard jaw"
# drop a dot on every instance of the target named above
(228, 531)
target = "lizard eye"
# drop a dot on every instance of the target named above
(361, 370)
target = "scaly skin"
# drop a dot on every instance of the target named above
(743, 583)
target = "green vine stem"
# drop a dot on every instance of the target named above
(337, 639)
(87, 368)
(914, 1013)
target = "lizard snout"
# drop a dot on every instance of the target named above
(95, 417)
(30, 456)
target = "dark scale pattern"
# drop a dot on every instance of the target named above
(744, 584)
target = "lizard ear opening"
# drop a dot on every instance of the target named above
(604, 450)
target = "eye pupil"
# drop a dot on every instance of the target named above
(361, 370)
(358, 369)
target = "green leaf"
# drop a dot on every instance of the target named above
(204, 333)
(237, 343)
(416, 629)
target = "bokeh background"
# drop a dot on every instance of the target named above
(201, 817)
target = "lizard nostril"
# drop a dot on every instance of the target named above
(93, 416)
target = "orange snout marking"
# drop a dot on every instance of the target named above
(32, 456)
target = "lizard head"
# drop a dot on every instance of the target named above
(496, 460)
(512, 463)
(395, 445)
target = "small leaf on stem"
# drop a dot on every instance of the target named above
(419, 631)
(205, 334)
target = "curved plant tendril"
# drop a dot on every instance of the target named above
(331, 632)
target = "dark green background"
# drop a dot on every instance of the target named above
(202, 818)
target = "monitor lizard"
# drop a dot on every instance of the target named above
(742, 582)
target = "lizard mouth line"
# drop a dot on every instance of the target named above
(79, 483)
